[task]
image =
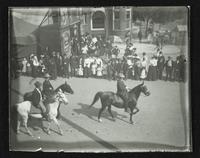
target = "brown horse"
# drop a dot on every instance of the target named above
(111, 98)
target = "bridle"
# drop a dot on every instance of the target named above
(145, 92)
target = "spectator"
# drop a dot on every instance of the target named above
(28, 68)
(42, 68)
(125, 68)
(161, 63)
(143, 68)
(35, 66)
(80, 71)
(59, 64)
(109, 71)
(177, 65)
(137, 65)
(73, 64)
(66, 63)
(94, 68)
(24, 68)
(52, 67)
(152, 72)
(99, 71)
(169, 68)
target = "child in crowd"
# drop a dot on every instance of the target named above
(99, 71)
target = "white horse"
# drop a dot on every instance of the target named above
(53, 110)
(23, 111)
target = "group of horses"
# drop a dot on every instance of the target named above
(108, 98)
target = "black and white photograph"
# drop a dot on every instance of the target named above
(99, 79)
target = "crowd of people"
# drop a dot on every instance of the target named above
(99, 59)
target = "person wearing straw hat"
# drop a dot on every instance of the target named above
(122, 90)
(47, 87)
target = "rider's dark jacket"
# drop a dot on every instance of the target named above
(121, 89)
(36, 97)
(47, 88)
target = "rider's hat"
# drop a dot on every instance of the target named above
(121, 75)
(37, 84)
(47, 75)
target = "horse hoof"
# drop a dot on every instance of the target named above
(131, 122)
(100, 120)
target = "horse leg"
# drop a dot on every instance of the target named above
(137, 110)
(58, 125)
(131, 115)
(110, 112)
(48, 128)
(100, 111)
(25, 124)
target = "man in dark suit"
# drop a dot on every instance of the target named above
(47, 87)
(37, 98)
(161, 64)
(122, 90)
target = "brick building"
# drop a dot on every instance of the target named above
(106, 21)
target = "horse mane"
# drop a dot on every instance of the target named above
(59, 87)
(134, 89)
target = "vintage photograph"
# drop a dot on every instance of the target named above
(99, 79)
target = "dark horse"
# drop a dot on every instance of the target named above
(65, 88)
(111, 98)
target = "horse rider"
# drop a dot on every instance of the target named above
(122, 90)
(37, 98)
(47, 87)
(48, 91)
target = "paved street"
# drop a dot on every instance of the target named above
(160, 123)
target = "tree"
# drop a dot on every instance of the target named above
(158, 14)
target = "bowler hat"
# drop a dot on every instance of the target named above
(37, 84)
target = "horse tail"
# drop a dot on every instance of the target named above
(96, 98)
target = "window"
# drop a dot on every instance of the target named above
(84, 19)
(98, 19)
(116, 18)
(116, 15)
(128, 14)
(128, 18)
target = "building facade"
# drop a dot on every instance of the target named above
(106, 21)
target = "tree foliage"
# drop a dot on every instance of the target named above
(159, 14)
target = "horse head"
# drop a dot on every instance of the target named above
(62, 97)
(144, 89)
(67, 88)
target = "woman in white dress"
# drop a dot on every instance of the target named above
(94, 68)
(80, 71)
(143, 66)
(24, 62)
(99, 71)
(143, 69)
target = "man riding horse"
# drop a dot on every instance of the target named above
(37, 99)
(40, 98)
(48, 89)
(122, 90)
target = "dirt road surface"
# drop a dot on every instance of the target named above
(161, 123)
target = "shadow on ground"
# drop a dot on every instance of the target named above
(92, 113)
